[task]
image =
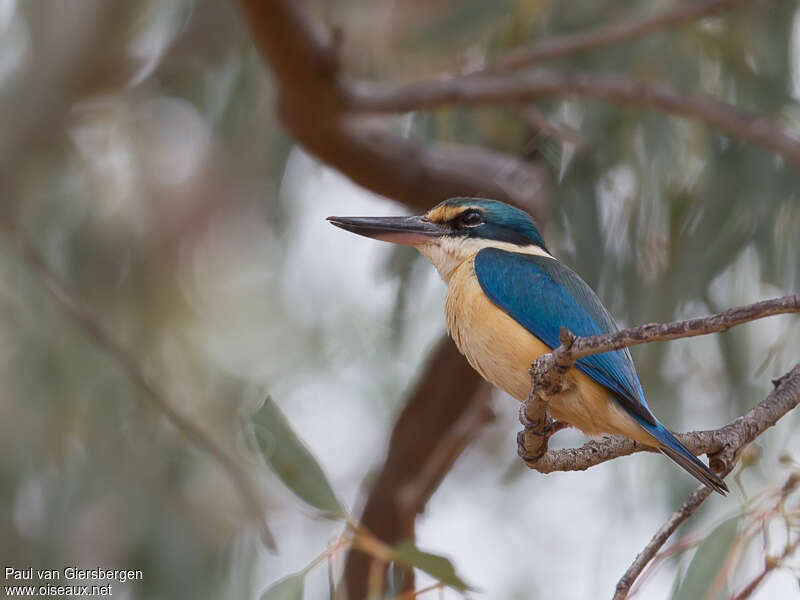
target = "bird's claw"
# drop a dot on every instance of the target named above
(532, 440)
(541, 428)
(522, 448)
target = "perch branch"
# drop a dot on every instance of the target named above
(722, 445)
(781, 400)
(86, 320)
(547, 379)
(662, 332)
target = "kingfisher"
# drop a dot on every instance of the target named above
(507, 300)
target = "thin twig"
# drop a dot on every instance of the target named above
(681, 545)
(610, 35)
(489, 89)
(661, 332)
(722, 445)
(770, 564)
(86, 320)
(783, 398)
(686, 510)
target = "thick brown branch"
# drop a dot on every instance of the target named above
(437, 422)
(610, 35)
(444, 413)
(313, 107)
(86, 320)
(487, 89)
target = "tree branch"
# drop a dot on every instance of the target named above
(783, 398)
(86, 320)
(444, 413)
(662, 332)
(547, 379)
(686, 510)
(328, 114)
(609, 35)
(721, 445)
(488, 89)
(313, 106)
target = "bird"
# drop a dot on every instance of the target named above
(508, 298)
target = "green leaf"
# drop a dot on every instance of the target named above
(434, 565)
(288, 588)
(292, 461)
(708, 561)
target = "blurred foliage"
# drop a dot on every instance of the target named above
(437, 566)
(292, 461)
(141, 155)
(707, 563)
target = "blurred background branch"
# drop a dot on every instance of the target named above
(87, 321)
(313, 103)
(528, 87)
(444, 413)
(625, 30)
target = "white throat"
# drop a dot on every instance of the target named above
(447, 253)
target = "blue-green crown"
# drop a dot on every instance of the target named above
(501, 222)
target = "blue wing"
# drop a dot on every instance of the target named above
(543, 295)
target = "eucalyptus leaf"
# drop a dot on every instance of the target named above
(708, 561)
(434, 565)
(288, 588)
(292, 461)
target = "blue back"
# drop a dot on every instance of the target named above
(543, 295)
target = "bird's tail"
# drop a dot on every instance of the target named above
(671, 447)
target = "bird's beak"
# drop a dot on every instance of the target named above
(399, 230)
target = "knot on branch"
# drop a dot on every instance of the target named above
(722, 462)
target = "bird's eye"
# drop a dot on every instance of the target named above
(471, 218)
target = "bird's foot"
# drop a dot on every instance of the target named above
(524, 442)
(538, 425)
(541, 424)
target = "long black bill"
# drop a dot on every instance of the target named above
(399, 230)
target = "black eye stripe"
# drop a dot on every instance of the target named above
(468, 218)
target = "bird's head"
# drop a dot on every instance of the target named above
(454, 230)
